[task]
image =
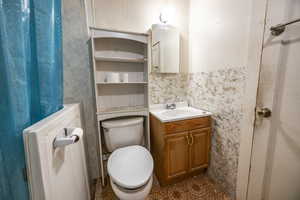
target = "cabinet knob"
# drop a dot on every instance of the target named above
(190, 140)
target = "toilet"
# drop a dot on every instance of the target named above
(130, 165)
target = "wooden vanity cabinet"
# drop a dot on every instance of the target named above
(180, 149)
(199, 150)
(177, 155)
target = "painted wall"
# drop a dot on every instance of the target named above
(218, 34)
(77, 74)
(139, 15)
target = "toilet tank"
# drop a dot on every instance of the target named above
(123, 132)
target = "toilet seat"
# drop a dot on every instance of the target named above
(130, 167)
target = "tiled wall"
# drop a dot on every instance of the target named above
(165, 88)
(221, 93)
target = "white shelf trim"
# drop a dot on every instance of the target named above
(121, 83)
(134, 94)
(120, 59)
(123, 109)
(101, 33)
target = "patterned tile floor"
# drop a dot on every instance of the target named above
(196, 188)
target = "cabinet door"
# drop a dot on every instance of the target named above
(199, 149)
(177, 154)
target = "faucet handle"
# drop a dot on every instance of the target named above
(171, 106)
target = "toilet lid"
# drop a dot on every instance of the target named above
(130, 167)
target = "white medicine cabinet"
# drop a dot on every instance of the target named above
(165, 49)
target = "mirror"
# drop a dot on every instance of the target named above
(165, 49)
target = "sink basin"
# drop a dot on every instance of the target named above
(183, 111)
(178, 112)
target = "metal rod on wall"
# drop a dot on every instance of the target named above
(280, 28)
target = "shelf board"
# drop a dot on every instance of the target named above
(120, 59)
(121, 83)
(122, 109)
(105, 33)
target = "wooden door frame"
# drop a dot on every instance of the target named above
(255, 47)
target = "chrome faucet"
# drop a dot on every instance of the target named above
(170, 106)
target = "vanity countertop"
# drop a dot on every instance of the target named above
(181, 112)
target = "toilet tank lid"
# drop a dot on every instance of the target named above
(113, 123)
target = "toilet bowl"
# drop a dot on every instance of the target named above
(130, 165)
(130, 170)
(135, 195)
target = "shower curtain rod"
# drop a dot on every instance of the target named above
(280, 28)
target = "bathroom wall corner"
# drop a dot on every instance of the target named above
(77, 75)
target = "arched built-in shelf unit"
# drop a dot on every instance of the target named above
(120, 52)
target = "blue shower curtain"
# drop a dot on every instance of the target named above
(31, 81)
